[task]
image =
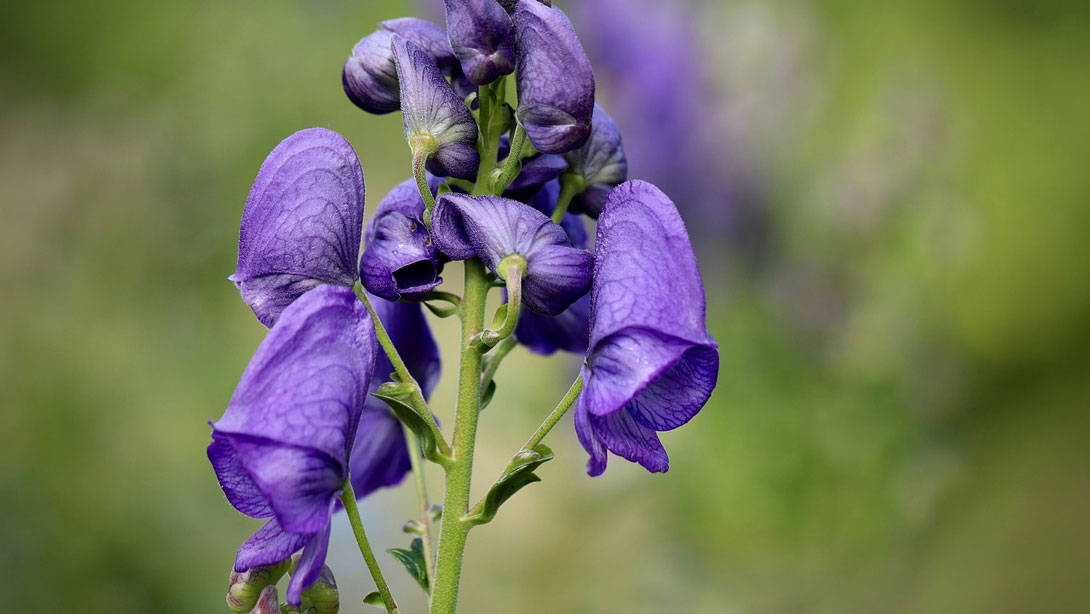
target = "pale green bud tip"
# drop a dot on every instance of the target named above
(322, 596)
(245, 588)
(413, 527)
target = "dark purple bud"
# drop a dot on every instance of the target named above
(369, 75)
(380, 457)
(492, 228)
(280, 451)
(652, 364)
(437, 121)
(302, 222)
(483, 39)
(399, 259)
(600, 162)
(555, 82)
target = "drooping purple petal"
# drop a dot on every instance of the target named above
(600, 162)
(310, 566)
(434, 113)
(399, 260)
(269, 545)
(483, 38)
(652, 364)
(491, 228)
(302, 222)
(555, 81)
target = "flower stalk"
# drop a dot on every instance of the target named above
(348, 498)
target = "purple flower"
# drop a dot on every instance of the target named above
(483, 39)
(600, 162)
(436, 119)
(369, 76)
(652, 364)
(379, 456)
(492, 228)
(555, 82)
(399, 260)
(280, 451)
(302, 222)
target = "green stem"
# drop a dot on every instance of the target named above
(420, 158)
(513, 164)
(571, 185)
(348, 498)
(561, 408)
(513, 268)
(415, 460)
(417, 397)
(495, 358)
(454, 531)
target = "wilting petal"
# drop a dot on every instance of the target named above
(555, 82)
(432, 111)
(369, 75)
(483, 39)
(399, 260)
(491, 228)
(268, 546)
(652, 364)
(295, 411)
(310, 566)
(600, 162)
(302, 222)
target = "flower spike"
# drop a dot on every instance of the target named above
(483, 38)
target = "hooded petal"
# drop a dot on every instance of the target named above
(555, 82)
(652, 364)
(483, 38)
(432, 110)
(491, 228)
(399, 259)
(302, 222)
(295, 411)
(369, 75)
(310, 566)
(601, 162)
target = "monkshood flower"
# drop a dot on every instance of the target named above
(598, 165)
(483, 39)
(493, 228)
(281, 449)
(555, 82)
(437, 122)
(569, 331)
(652, 364)
(369, 76)
(399, 259)
(302, 222)
(379, 456)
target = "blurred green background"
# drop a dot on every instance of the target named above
(903, 419)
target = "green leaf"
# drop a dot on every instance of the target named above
(397, 398)
(489, 392)
(519, 473)
(374, 599)
(441, 311)
(414, 562)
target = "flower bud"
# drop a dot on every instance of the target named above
(437, 122)
(483, 39)
(600, 162)
(555, 82)
(322, 596)
(268, 602)
(246, 588)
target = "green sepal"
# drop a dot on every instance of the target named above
(397, 397)
(519, 473)
(374, 599)
(414, 562)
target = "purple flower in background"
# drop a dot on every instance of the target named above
(436, 119)
(369, 75)
(380, 456)
(600, 163)
(302, 222)
(483, 39)
(281, 449)
(555, 82)
(652, 364)
(399, 260)
(492, 228)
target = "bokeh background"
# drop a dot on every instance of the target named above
(890, 201)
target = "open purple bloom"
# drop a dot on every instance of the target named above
(600, 162)
(399, 259)
(436, 118)
(652, 364)
(369, 76)
(492, 228)
(555, 82)
(380, 457)
(483, 39)
(302, 222)
(281, 449)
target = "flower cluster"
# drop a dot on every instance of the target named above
(511, 188)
